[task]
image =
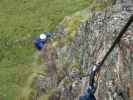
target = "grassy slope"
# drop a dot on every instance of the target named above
(24, 19)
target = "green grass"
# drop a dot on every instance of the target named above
(20, 21)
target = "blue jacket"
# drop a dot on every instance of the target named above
(88, 95)
(40, 43)
(91, 97)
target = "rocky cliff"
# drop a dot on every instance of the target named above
(116, 76)
(86, 37)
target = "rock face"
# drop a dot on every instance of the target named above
(88, 48)
(117, 72)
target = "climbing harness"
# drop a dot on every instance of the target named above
(89, 93)
(42, 39)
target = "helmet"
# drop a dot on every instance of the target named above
(43, 37)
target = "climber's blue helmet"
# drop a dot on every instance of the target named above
(41, 40)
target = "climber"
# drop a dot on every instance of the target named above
(40, 41)
(89, 93)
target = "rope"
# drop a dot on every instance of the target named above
(117, 40)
